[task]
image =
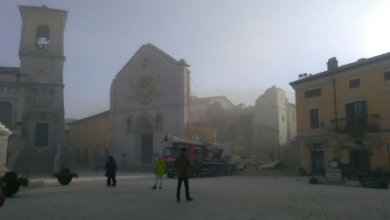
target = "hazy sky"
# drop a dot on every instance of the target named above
(230, 44)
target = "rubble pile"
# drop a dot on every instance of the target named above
(256, 165)
(253, 160)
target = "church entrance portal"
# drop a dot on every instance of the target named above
(147, 148)
(41, 135)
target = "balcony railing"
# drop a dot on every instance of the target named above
(358, 124)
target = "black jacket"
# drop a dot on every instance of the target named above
(182, 163)
(111, 166)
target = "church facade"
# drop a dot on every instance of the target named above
(32, 97)
(148, 99)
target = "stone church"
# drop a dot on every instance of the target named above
(32, 96)
(148, 99)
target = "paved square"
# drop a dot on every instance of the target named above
(225, 198)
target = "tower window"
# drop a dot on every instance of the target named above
(43, 37)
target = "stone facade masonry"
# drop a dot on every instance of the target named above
(148, 100)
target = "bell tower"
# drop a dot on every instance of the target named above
(41, 54)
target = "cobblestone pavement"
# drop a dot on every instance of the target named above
(214, 198)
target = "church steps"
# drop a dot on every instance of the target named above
(33, 162)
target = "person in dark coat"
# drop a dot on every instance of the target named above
(182, 163)
(111, 172)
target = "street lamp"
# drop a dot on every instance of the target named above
(322, 125)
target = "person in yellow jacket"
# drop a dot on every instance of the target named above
(159, 170)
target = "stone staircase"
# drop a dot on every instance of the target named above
(36, 162)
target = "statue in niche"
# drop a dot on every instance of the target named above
(158, 122)
(128, 124)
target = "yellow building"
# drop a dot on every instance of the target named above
(343, 115)
(88, 140)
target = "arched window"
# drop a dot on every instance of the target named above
(86, 156)
(6, 114)
(43, 37)
(200, 136)
(95, 157)
(78, 157)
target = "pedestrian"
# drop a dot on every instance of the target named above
(159, 170)
(111, 172)
(182, 163)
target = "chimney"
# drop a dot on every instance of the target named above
(332, 63)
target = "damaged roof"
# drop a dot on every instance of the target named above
(207, 99)
(9, 70)
(159, 52)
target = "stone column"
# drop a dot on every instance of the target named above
(4, 134)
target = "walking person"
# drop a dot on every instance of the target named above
(159, 170)
(182, 163)
(111, 172)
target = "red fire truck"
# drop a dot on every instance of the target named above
(207, 159)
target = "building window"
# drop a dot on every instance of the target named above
(313, 93)
(356, 114)
(314, 118)
(387, 76)
(6, 114)
(354, 83)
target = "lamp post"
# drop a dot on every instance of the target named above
(4, 134)
(322, 125)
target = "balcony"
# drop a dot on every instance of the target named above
(355, 125)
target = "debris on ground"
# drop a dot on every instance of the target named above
(270, 166)
(261, 165)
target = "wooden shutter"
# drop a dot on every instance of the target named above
(364, 113)
(348, 114)
(314, 119)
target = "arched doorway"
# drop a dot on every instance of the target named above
(85, 156)
(95, 157)
(77, 157)
(145, 129)
(6, 114)
(106, 155)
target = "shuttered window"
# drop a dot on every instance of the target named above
(354, 83)
(356, 114)
(313, 93)
(314, 118)
(387, 76)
